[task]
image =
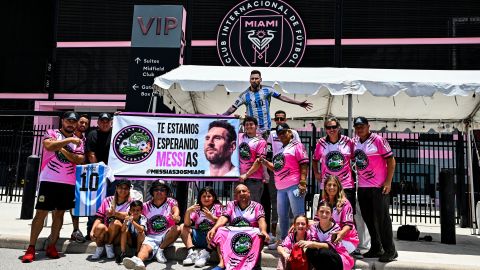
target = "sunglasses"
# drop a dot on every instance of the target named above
(160, 189)
(279, 118)
(331, 127)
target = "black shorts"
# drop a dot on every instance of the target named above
(55, 196)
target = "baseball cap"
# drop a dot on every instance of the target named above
(70, 115)
(282, 127)
(360, 121)
(124, 182)
(104, 115)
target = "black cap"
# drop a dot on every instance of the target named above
(282, 127)
(360, 121)
(123, 182)
(104, 115)
(70, 115)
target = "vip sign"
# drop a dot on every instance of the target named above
(261, 33)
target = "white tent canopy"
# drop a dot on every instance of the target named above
(420, 100)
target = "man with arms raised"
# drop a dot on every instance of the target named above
(62, 151)
(257, 100)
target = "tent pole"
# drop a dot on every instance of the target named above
(350, 120)
(470, 174)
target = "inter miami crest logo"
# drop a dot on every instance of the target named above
(241, 244)
(261, 33)
(361, 160)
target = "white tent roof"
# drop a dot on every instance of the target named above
(420, 100)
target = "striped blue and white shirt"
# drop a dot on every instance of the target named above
(90, 188)
(258, 105)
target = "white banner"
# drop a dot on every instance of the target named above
(176, 147)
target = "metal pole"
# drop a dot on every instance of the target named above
(350, 120)
(470, 175)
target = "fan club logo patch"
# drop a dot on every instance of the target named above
(240, 222)
(241, 244)
(361, 160)
(261, 33)
(205, 225)
(133, 144)
(335, 161)
(159, 223)
(278, 162)
(244, 151)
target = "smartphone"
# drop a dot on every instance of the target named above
(296, 192)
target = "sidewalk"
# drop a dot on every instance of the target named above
(14, 234)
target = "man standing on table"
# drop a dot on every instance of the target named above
(375, 167)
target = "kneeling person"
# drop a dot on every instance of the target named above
(133, 230)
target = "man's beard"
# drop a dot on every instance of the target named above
(216, 158)
(254, 85)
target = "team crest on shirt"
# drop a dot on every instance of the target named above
(361, 160)
(278, 162)
(205, 225)
(240, 222)
(61, 157)
(110, 219)
(335, 161)
(133, 144)
(158, 223)
(244, 151)
(241, 244)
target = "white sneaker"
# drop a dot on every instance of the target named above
(273, 246)
(273, 239)
(160, 256)
(98, 253)
(110, 251)
(202, 258)
(133, 263)
(191, 258)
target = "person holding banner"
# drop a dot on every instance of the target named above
(109, 220)
(199, 219)
(239, 245)
(220, 144)
(252, 147)
(162, 215)
(257, 100)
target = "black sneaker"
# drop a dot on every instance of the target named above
(373, 254)
(120, 257)
(388, 257)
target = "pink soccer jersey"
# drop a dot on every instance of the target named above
(240, 247)
(247, 217)
(335, 159)
(289, 241)
(250, 149)
(159, 219)
(200, 220)
(344, 216)
(55, 166)
(370, 160)
(106, 205)
(326, 237)
(286, 164)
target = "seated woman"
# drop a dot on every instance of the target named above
(199, 219)
(133, 229)
(109, 220)
(301, 231)
(325, 252)
(342, 212)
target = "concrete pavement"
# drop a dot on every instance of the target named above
(14, 233)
